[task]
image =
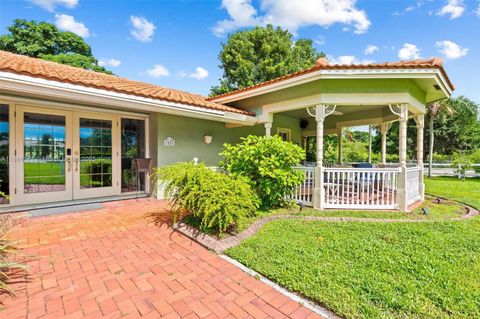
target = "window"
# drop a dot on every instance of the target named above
(4, 154)
(133, 147)
(284, 133)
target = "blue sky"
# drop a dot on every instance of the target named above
(176, 43)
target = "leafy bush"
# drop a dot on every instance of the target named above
(440, 158)
(268, 164)
(462, 164)
(219, 201)
(7, 250)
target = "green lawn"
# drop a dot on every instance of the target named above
(377, 270)
(467, 191)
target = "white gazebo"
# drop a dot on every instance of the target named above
(332, 97)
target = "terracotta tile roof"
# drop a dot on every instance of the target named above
(322, 64)
(38, 68)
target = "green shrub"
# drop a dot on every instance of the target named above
(440, 158)
(268, 164)
(219, 201)
(462, 164)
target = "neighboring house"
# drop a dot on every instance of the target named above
(73, 134)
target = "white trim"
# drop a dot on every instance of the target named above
(53, 89)
(284, 130)
(69, 107)
(345, 99)
(342, 74)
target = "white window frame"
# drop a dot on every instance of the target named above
(287, 131)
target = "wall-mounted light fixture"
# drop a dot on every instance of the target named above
(208, 139)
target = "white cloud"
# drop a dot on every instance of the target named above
(113, 63)
(409, 52)
(292, 14)
(50, 5)
(477, 12)
(450, 49)
(370, 49)
(199, 74)
(320, 40)
(348, 59)
(454, 8)
(158, 70)
(68, 23)
(410, 8)
(142, 29)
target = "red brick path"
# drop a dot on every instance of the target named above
(124, 261)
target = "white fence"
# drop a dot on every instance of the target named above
(413, 184)
(304, 193)
(361, 188)
(352, 188)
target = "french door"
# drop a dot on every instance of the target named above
(64, 155)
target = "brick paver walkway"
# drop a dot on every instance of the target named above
(124, 261)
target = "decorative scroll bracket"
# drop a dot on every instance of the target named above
(325, 110)
(397, 109)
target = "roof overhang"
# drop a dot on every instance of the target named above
(434, 74)
(16, 84)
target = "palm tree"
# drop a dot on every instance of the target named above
(436, 109)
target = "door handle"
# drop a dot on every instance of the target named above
(76, 164)
(69, 164)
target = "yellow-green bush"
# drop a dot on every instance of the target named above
(218, 200)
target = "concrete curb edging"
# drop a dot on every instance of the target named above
(220, 245)
(310, 305)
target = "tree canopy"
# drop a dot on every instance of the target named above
(45, 41)
(261, 54)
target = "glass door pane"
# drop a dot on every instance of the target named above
(133, 147)
(4, 153)
(44, 153)
(95, 153)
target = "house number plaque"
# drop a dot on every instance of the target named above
(169, 142)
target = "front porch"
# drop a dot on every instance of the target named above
(360, 185)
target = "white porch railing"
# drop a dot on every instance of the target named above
(361, 188)
(352, 188)
(413, 184)
(304, 193)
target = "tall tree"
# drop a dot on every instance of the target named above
(438, 110)
(261, 54)
(44, 40)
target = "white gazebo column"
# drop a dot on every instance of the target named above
(340, 144)
(384, 127)
(420, 120)
(320, 112)
(370, 144)
(268, 129)
(402, 195)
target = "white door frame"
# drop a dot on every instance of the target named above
(40, 197)
(115, 189)
(39, 106)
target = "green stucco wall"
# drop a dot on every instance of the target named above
(189, 137)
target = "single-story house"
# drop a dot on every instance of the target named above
(69, 135)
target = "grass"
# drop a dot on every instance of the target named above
(467, 191)
(378, 270)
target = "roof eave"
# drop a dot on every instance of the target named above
(19, 84)
(338, 74)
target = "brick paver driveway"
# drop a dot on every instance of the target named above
(123, 261)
